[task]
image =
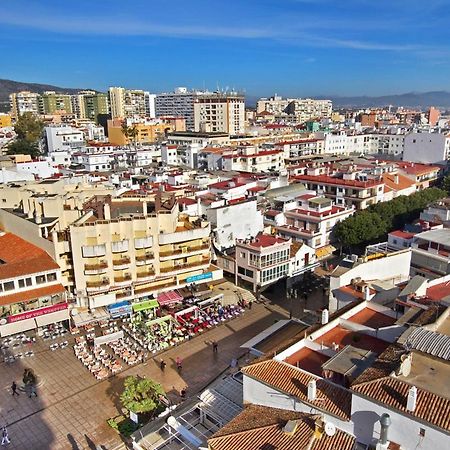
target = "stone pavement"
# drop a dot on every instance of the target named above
(72, 407)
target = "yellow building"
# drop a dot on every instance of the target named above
(146, 133)
(5, 120)
(113, 249)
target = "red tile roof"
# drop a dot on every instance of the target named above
(266, 240)
(402, 234)
(393, 393)
(22, 258)
(259, 427)
(439, 291)
(331, 398)
(326, 179)
(31, 294)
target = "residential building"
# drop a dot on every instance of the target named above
(22, 102)
(423, 175)
(131, 102)
(220, 113)
(431, 253)
(5, 120)
(64, 138)
(367, 373)
(275, 105)
(262, 261)
(427, 147)
(345, 189)
(252, 159)
(313, 221)
(51, 102)
(304, 109)
(90, 105)
(31, 293)
(438, 212)
(204, 111)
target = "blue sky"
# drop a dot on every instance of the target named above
(292, 47)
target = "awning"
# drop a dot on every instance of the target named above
(142, 306)
(55, 317)
(31, 294)
(83, 317)
(118, 305)
(168, 298)
(324, 251)
(17, 327)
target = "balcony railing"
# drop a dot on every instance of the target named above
(180, 251)
(123, 278)
(96, 266)
(97, 284)
(184, 266)
(122, 261)
(148, 273)
(147, 256)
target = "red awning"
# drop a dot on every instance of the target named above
(167, 298)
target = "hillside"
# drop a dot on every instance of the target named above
(9, 86)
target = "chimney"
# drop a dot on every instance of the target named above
(325, 316)
(396, 178)
(385, 422)
(366, 292)
(144, 208)
(312, 391)
(107, 211)
(412, 399)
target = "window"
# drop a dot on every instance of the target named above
(8, 286)
(21, 283)
(51, 277)
(422, 432)
(40, 279)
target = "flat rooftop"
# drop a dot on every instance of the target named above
(343, 337)
(283, 334)
(308, 360)
(372, 319)
(429, 373)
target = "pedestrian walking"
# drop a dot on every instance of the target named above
(33, 390)
(5, 437)
(179, 363)
(250, 304)
(14, 388)
(183, 393)
(215, 346)
(162, 365)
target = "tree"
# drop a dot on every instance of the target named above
(28, 129)
(130, 133)
(142, 395)
(446, 184)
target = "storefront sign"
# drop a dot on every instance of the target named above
(142, 306)
(37, 312)
(119, 309)
(202, 276)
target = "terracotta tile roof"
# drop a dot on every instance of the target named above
(403, 181)
(266, 240)
(259, 427)
(439, 291)
(31, 294)
(331, 398)
(402, 234)
(393, 393)
(20, 257)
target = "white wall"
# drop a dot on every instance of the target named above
(425, 148)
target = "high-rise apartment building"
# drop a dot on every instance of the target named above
(51, 102)
(131, 102)
(204, 111)
(22, 102)
(302, 109)
(90, 104)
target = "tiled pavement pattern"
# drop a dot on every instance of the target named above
(72, 407)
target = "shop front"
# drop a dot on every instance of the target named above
(121, 309)
(29, 320)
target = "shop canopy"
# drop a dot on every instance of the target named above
(142, 306)
(167, 318)
(168, 298)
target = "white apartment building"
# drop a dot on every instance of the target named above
(275, 105)
(22, 102)
(305, 109)
(262, 261)
(427, 147)
(219, 113)
(204, 111)
(64, 138)
(252, 159)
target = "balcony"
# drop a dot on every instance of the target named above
(96, 268)
(143, 276)
(147, 258)
(146, 242)
(119, 246)
(182, 267)
(122, 280)
(98, 285)
(121, 263)
(184, 235)
(186, 251)
(89, 251)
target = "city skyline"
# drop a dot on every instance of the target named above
(296, 47)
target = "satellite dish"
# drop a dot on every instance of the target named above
(330, 429)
